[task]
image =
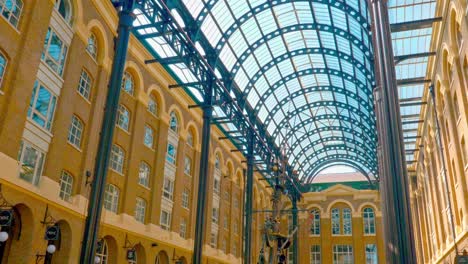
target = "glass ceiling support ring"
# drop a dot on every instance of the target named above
(326, 164)
(329, 139)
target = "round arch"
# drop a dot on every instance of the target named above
(366, 205)
(20, 234)
(132, 68)
(162, 258)
(155, 90)
(112, 249)
(65, 243)
(140, 253)
(180, 118)
(95, 27)
(192, 128)
(338, 201)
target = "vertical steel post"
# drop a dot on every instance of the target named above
(249, 202)
(295, 225)
(399, 233)
(88, 246)
(203, 174)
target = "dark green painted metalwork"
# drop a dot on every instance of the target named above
(91, 230)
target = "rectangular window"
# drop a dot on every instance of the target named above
(42, 106)
(143, 175)
(343, 254)
(117, 159)
(140, 210)
(371, 254)
(66, 186)
(183, 228)
(31, 160)
(315, 254)
(216, 186)
(75, 131)
(165, 220)
(111, 198)
(171, 154)
(335, 214)
(84, 86)
(236, 228)
(347, 221)
(55, 52)
(188, 166)
(225, 222)
(213, 239)
(185, 198)
(215, 215)
(315, 222)
(11, 11)
(168, 188)
(149, 136)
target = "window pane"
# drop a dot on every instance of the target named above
(66, 186)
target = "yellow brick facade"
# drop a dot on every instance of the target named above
(429, 196)
(23, 46)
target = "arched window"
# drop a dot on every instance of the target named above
(143, 176)
(66, 186)
(3, 64)
(111, 198)
(315, 222)
(75, 131)
(128, 83)
(174, 122)
(123, 119)
(368, 218)
(190, 139)
(11, 10)
(102, 251)
(64, 9)
(92, 47)
(117, 159)
(152, 105)
(341, 221)
(217, 162)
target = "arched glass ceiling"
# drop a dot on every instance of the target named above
(305, 68)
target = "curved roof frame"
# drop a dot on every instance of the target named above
(321, 163)
(348, 163)
(274, 64)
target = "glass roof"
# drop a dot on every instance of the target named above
(304, 67)
(408, 43)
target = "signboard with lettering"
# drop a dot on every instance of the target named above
(6, 217)
(52, 233)
(131, 254)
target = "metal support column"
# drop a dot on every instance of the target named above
(88, 246)
(395, 194)
(295, 225)
(249, 202)
(203, 175)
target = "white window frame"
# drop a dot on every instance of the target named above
(173, 122)
(343, 254)
(66, 186)
(55, 65)
(185, 198)
(128, 83)
(149, 137)
(111, 198)
(165, 219)
(123, 118)
(168, 188)
(13, 18)
(190, 139)
(215, 215)
(371, 254)
(153, 105)
(171, 156)
(315, 254)
(85, 84)
(183, 228)
(33, 113)
(335, 221)
(93, 47)
(37, 161)
(315, 222)
(68, 15)
(144, 174)
(75, 132)
(117, 159)
(216, 185)
(368, 218)
(213, 239)
(347, 221)
(140, 210)
(103, 254)
(188, 166)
